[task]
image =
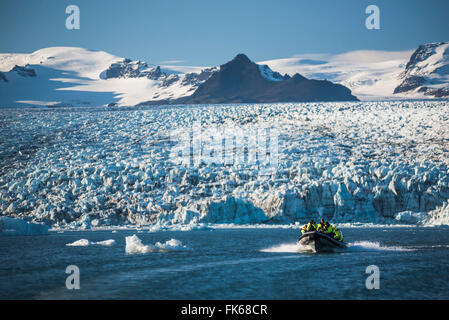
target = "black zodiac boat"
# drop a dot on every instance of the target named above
(319, 242)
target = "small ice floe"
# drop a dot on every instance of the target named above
(85, 243)
(106, 243)
(135, 245)
(79, 243)
(171, 244)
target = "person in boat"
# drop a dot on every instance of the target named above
(327, 229)
(311, 226)
(332, 231)
(320, 226)
(337, 234)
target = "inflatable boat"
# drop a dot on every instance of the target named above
(319, 242)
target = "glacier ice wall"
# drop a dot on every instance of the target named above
(351, 162)
(11, 226)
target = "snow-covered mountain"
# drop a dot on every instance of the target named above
(243, 81)
(77, 76)
(371, 75)
(376, 75)
(427, 72)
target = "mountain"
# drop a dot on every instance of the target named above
(68, 76)
(427, 71)
(378, 75)
(370, 74)
(242, 81)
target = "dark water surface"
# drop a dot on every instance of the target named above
(228, 264)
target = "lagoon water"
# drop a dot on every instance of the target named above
(227, 264)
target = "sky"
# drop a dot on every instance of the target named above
(211, 32)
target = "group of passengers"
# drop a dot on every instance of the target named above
(323, 227)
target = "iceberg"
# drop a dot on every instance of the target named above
(79, 243)
(106, 243)
(85, 243)
(134, 245)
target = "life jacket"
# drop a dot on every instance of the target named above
(311, 226)
(308, 227)
(337, 234)
(328, 230)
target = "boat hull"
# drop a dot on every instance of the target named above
(319, 242)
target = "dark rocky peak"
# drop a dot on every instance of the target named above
(426, 71)
(297, 77)
(25, 71)
(423, 52)
(240, 58)
(153, 74)
(198, 78)
(128, 68)
(240, 63)
(243, 81)
(3, 77)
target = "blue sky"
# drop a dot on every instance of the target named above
(210, 32)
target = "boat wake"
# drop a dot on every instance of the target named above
(361, 246)
(286, 248)
(358, 246)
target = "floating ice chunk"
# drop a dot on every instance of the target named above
(107, 243)
(156, 227)
(79, 243)
(135, 245)
(13, 226)
(85, 243)
(171, 244)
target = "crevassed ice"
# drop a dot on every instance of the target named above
(351, 162)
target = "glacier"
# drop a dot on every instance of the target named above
(358, 162)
